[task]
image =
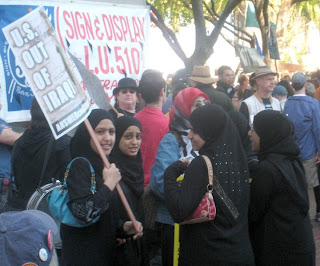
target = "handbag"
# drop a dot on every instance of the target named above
(59, 198)
(150, 205)
(206, 210)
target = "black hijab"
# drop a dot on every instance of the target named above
(223, 146)
(80, 142)
(242, 125)
(277, 145)
(130, 166)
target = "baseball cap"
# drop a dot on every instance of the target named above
(26, 237)
(298, 79)
(279, 90)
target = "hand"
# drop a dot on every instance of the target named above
(119, 115)
(111, 176)
(186, 162)
(129, 229)
(318, 158)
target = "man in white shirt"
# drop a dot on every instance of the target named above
(261, 99)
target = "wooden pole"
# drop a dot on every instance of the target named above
(107, 164)
(87, 123)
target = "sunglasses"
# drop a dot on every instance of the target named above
(124, 91)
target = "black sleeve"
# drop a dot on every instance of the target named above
(84, 205)
(244, 110)
(182, 200)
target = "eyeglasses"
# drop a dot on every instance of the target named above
(124, 91)
(199, 104)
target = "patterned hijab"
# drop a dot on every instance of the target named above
(179, 118)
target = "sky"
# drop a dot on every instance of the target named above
(160, 56)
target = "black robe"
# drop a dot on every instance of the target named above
(94, 244)
(280, 226)
(225, 240)
(28, 156)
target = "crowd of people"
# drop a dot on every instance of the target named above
(263, 141)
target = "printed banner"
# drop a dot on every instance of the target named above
(249, 58)
(47, 71)
(107, 38)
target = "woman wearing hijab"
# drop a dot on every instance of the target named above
(95, 243)
(173, 146)
(127, 157)
(280, 226)
(28, 160)
(225, 240)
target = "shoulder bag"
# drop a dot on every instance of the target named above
(206, 210)
(59, 198)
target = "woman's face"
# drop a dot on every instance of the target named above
(126, 97)
(105, 133)
(196, 140)
(198, 102)
(130, 141)
(255, 139)
(236, 101)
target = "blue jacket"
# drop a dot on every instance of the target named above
(304, 113)
(168, 153)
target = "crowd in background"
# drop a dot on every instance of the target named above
(263, 141)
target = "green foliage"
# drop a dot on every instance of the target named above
(174, 13)
(178, 13)
(310, 10)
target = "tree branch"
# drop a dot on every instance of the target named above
(168, 34)
(226, 12)
(214, 14)
(250, 41)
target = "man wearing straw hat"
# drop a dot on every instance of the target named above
(201, 79)
(261, 99)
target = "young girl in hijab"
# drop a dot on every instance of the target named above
(95, 243)
(280, 226)
(174, 146)
(225, 240)
(127, 157)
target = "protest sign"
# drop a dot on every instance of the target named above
(106, 38)
(42, 60)
(249, 58)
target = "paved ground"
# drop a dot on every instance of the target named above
(316, 227)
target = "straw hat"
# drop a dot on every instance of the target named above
(264, 70)
(201, 74)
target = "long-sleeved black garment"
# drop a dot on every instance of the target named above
(94, 244)
(225, 240)
(279, 222)
(27, 162)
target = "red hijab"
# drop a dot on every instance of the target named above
(185, 98)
